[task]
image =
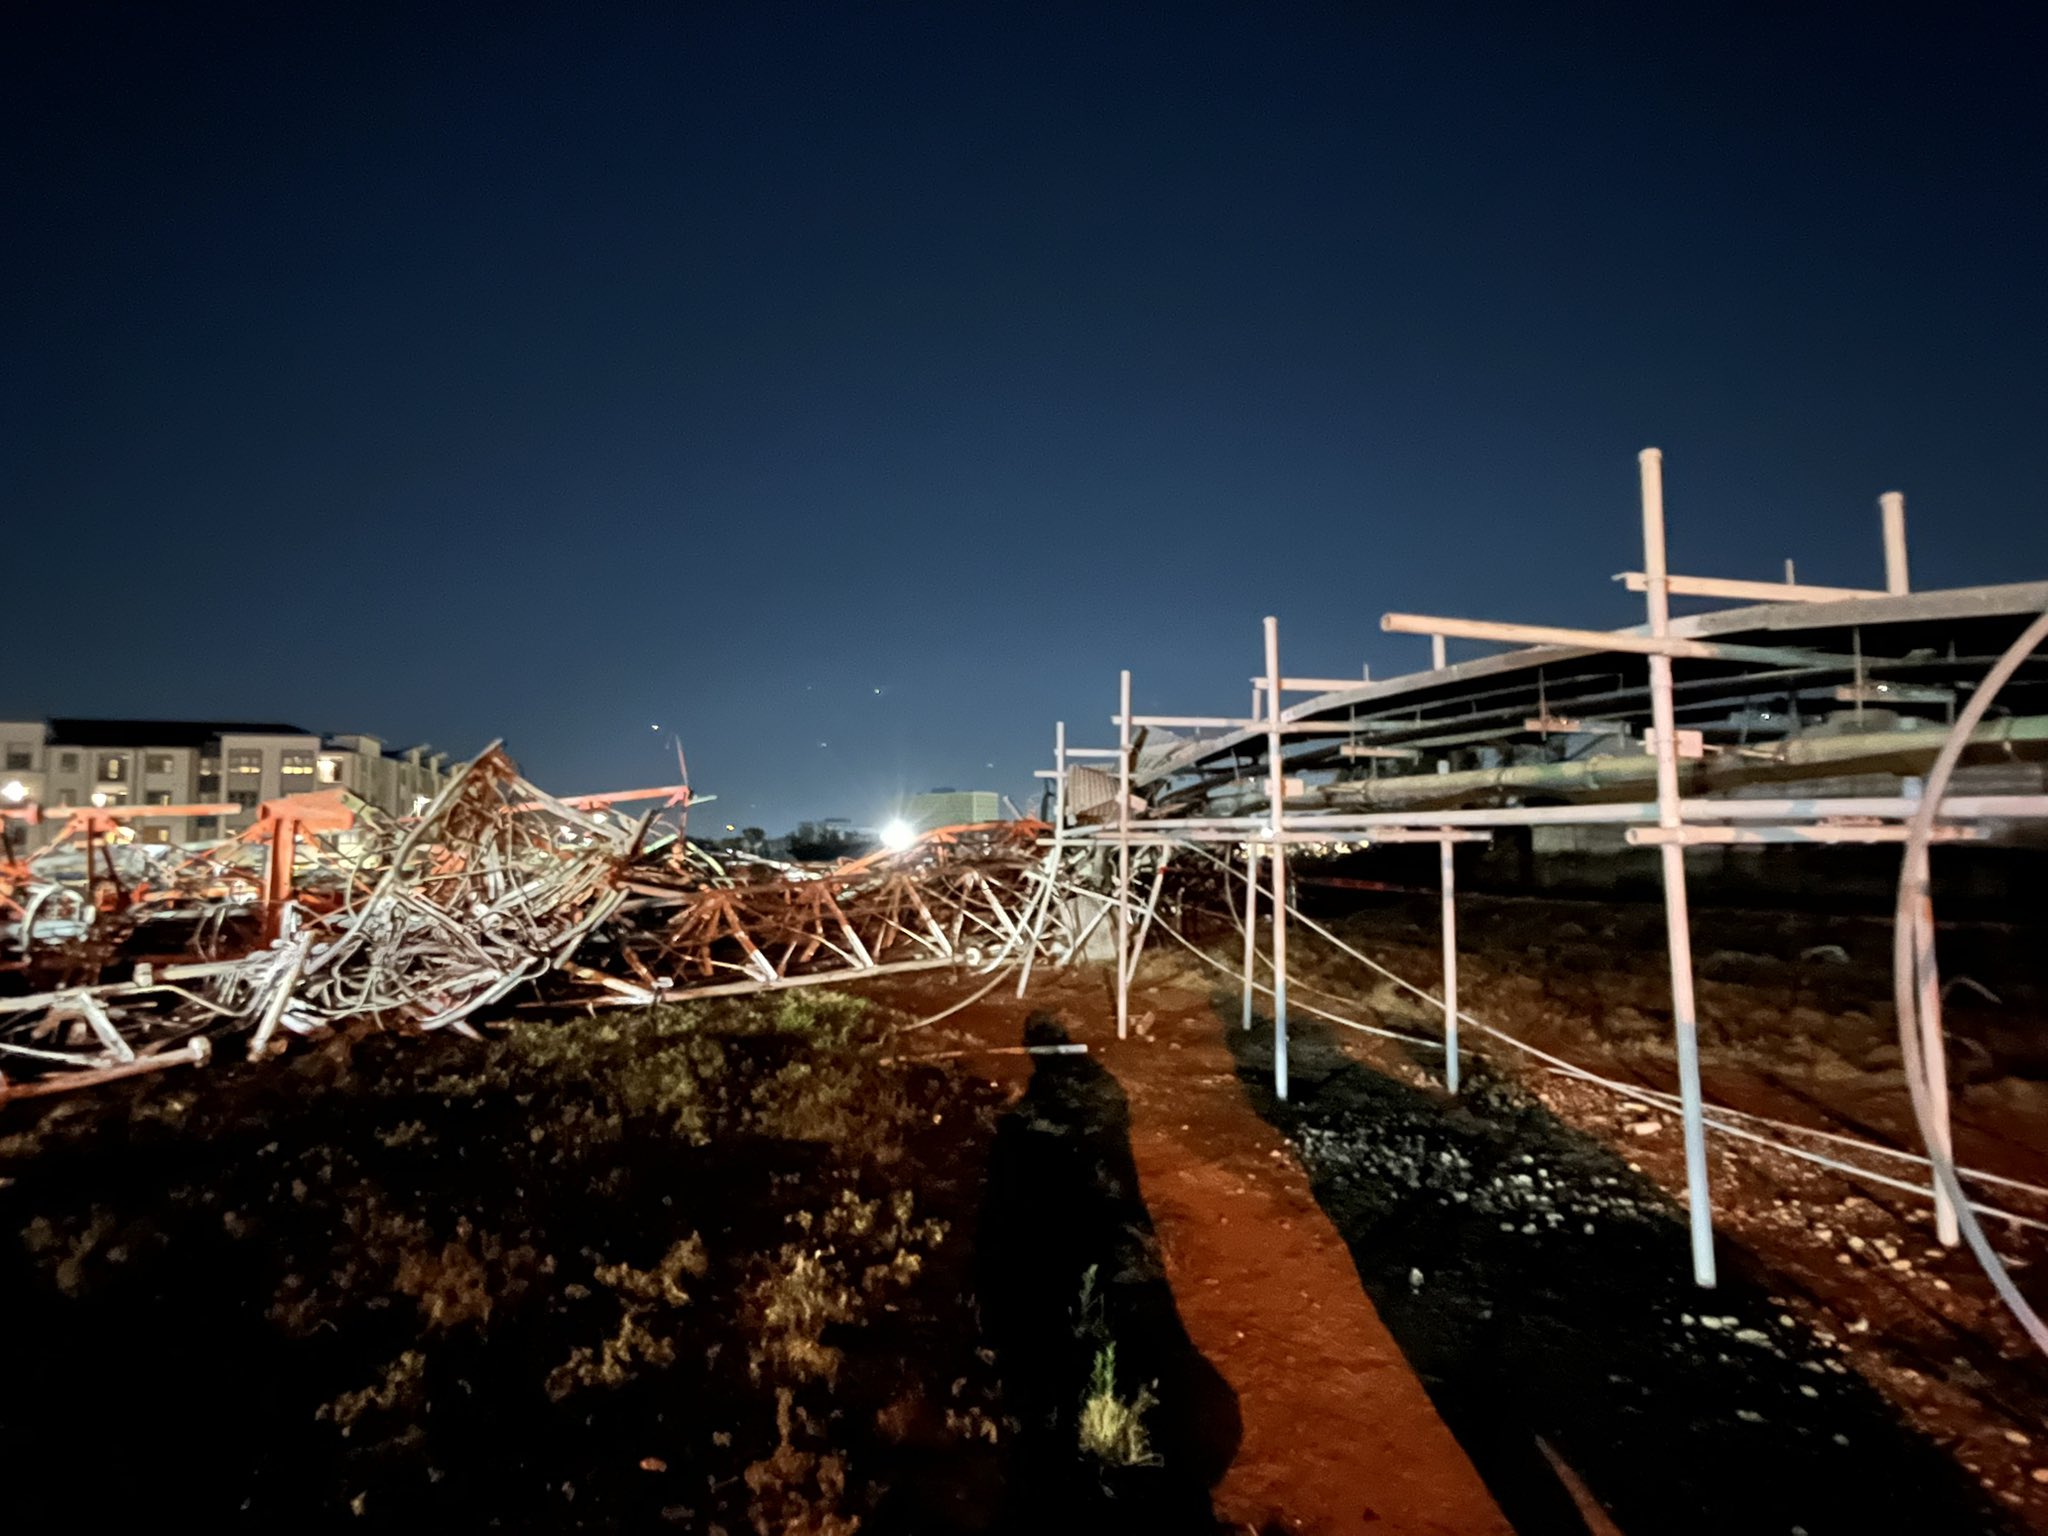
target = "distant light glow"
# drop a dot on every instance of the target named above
(898, 835)
(99, 797)
(13, 791)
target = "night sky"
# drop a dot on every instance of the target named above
(853, 389)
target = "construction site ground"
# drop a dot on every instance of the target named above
(786, 1265)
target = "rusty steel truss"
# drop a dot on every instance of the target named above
(326, 916)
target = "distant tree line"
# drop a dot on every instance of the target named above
(813, 842)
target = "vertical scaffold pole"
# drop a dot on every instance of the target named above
(1677, 915)
(1437, 658)
(1123, 861)
(1933, 1055)
(1059, 783)
(1054, 860)
(1891, 508)
(1450, 923)
(1276, 789)
(277, 876)
(1251, 925)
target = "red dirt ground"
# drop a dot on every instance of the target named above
(1339, 1435)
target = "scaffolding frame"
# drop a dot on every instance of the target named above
(1670, 822)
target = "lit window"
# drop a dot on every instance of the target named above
(157, 797)
(245, 760)
(113, 767)
(296, 764)
(330, 770)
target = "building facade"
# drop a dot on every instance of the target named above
(63, 763)
(952, 808)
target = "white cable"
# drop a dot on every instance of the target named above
(1651, 1100)
(1365, 1029)
(997, 968)
(1560, 1064)
(968, 1001)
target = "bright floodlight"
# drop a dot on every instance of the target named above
(898, 835)
(13, 791)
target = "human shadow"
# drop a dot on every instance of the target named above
(1069, 1268)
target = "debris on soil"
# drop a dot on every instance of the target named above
(695, 1267)
(1853, 1267)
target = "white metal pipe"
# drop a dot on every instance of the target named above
(1437, 658)
(1786, 591)
(1151, 906)
(1252, 920)
(1309, 685)
(1677, 913)
(1087, 930)
(1892, 509)
(1145, 834)
(1448, 868)
(1143, 837)
(1054, 860)
(1034, 918)
(1277, 793)
(1191, 722)
(194, 1054)
(1123, 860)
(1934, 1057)
(1957, 808)
(1059, 783)
(1656, 644)
(811, 979)
(1649, 837)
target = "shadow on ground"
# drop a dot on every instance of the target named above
(1542, 1290)
(1068, 1265)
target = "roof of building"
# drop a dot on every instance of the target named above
(1940, 640)
(159, 733)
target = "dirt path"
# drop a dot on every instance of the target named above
(1338, 1433)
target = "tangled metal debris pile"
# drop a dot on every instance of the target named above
(327, 915)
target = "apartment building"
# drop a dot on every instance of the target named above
(72, 762)
(951, 808)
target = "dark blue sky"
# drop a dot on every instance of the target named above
(553, 372)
